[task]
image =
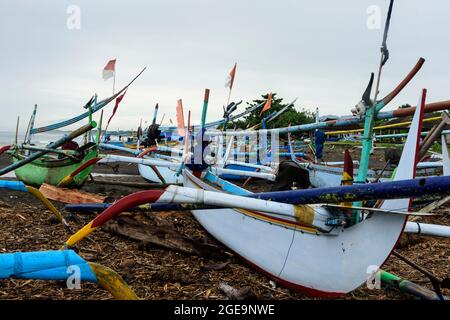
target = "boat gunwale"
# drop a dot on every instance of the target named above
(264, 217)
(54, 163)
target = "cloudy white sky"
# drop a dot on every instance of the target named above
(320, 51)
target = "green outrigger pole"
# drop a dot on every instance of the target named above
(374, 107)
(371, 109)
(205, 109)
(407, 286)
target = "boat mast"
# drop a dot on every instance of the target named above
(16, 140)
(372, 110)
(27, 139)
(155, 114)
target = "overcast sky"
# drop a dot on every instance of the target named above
(319, 51)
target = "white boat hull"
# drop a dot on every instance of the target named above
(317, 264)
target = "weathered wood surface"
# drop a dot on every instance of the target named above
(163, 236)
(232, 293)
(69, 195)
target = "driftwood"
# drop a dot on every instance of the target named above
(409, 239)
(69, 195)
(165, 237)
(236, 294)
(215, 266)
(436, 204)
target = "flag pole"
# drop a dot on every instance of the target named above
(229, 95)
(114, 82)
(232, 75)
(162, 119)
(16, 140)
(114, 78)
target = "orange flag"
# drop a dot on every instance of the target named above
(180, 118)
(267, 105)
(230, 79)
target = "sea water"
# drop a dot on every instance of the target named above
(40, 139)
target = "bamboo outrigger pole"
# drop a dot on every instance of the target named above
(387, 126)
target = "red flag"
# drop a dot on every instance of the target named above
(180, 118)
(118, 100)
(267, 105)
(230, 79)
(109, 70)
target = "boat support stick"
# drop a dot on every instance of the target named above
(20, 186)
(435, 281)
(407, 286)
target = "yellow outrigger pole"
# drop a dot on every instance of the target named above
(387, 126)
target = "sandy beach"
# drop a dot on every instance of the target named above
(156, 272)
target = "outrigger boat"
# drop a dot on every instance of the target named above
(321, 175)
(292, 236)
(32, 160)
(53, 164)
(52, 170)
(324, 175)
(304, 239)
(154, 169)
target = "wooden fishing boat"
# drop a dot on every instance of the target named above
(31, 172)
(168, 173)
(319, 264)
(304, 247)
(52, 170)
(294, 237)
(295, 254)
(324, 175)
(51, 165)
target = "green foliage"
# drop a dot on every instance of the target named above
(437, 147)
(289, 116)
